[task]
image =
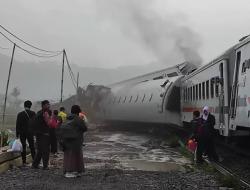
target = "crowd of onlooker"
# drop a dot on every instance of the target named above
(49, 129)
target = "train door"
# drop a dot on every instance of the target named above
(233, 106)
(222, 82)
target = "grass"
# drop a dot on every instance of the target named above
(173, 141)
(223, 180)
(229, 181)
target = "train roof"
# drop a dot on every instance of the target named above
(180, 69)
(225, 55)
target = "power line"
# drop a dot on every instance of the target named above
(30, 52)
(27, 42)
(71, 72)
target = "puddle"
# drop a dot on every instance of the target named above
(129, 152)
(153, 166)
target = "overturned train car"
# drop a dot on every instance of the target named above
(151, 98)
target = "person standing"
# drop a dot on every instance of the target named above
(62, 114)
(53, 124)
(24, 129)
(198, 135)
(42, 135)
(209, 132)
(72, 137)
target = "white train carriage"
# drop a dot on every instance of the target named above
(223, 85)
(152, 98)
(153, 101)
(240, 101)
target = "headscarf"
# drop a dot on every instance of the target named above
(203, 115)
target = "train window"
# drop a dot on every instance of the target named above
(207, 89)
(143, 98)
(130, 98)
(119, 100)
(200, 91)
(136, 98)
(212, 88)
(125, 99)
(174, 74)
(184, 94)
(190, 93)
(196, 91)
(193, 93)
(244, 68)
(114, 100)
(216, 89)
(203, 90)
(187, 94)
(150, 97)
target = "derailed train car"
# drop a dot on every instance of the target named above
(151, 98)
(171, 95)
(223, 85)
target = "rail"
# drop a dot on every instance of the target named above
(225, 171)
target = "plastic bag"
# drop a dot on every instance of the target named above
(17, 146)
(192, 145)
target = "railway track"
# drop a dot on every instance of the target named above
(228, 172)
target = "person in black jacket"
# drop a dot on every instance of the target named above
(24, 129)
(209, 122)
(72, 136)
(42, 135)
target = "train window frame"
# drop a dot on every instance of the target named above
(130, 99)
(207, 89)
(199, 91)
(137, 97)
(151, 96)
(203, 90)
(212, 90)
(143, 98)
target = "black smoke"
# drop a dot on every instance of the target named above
(166, 36)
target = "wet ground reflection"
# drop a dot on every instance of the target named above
(130, 151)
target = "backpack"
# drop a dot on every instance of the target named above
(67, 130)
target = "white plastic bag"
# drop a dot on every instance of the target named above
(17, 146)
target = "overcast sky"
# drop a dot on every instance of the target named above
(112, 33)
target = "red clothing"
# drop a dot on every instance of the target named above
(53, 122)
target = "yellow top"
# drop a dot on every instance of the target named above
(63, 116)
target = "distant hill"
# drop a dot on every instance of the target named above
(42, 80)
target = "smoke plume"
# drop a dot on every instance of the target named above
(166, 36)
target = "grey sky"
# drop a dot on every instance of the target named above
(111, 33)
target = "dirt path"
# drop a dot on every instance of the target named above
(115, 160)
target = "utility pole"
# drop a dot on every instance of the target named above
(77, 86)
(77, 82)
(62, 76)
(7, 88)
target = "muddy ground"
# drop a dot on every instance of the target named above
(116, 160)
